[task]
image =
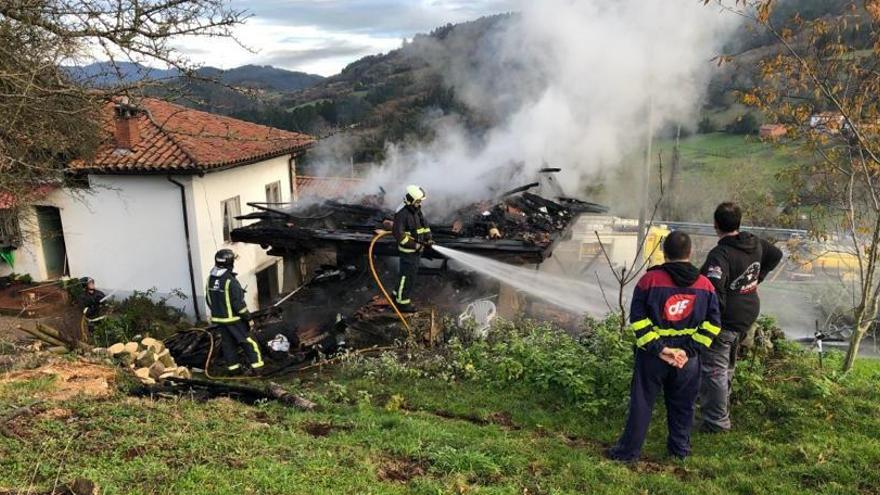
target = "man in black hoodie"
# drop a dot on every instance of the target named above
(735, 267)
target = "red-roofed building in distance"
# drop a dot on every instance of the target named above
(158, 199)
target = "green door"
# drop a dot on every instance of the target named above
(54, 251)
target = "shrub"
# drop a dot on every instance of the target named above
(746, 124)
(590, 371)
(139, 314)
(706, 126)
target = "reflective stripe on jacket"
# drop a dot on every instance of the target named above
(410, 228)
(225, 297)
(663, 314)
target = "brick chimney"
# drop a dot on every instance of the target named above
(127, 133)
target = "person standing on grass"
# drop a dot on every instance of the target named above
(735, 267)
(674, 312)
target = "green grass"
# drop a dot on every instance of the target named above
(726, 156)
(384, 428)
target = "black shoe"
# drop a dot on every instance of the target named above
(612, 455)
(711, 429)
(407, 308)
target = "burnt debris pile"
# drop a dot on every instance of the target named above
(520, 227)
(337, 304)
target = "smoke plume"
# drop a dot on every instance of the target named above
(569, 84)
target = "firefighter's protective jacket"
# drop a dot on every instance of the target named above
(674, 306)
(410, 229)
(91, 303)
(225, 297)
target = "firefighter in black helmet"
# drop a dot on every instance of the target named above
(91, 301)
(413, 235)
(229, 312)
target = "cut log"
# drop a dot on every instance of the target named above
(58, 349)
(116, 348)
(132, 348)
(46, 329)
(157, 369)
(165, 358)
(246, 394)
(145, 358)
(38, 335)
(142, 373)
(286, 397)
(183, 372)
(148, 381)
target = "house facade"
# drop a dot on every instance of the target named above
(156, 202)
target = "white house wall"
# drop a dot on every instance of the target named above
(205, 198)
(127, 233)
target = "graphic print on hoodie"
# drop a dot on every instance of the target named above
(735, 267)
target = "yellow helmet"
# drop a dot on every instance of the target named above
(414, 194)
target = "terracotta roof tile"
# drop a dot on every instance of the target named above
(175, 138)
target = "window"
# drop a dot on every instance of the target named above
(273, 192)
(231, 208)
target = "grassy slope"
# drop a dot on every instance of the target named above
(725, 157)
(429, 436)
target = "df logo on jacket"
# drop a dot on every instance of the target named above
(679, 307)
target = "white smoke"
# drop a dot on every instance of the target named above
(570, 83)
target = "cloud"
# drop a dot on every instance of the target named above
(323, 36)
(298, 57)
(383, 17)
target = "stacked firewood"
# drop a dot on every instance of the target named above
(149, 359)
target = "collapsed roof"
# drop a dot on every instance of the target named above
(530, 225)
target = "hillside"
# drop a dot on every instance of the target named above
(392, 96)
(214, 90)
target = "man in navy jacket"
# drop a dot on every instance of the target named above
(674, 313)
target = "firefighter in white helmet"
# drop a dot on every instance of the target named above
(413, 235)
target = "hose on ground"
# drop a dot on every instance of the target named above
(380, 234)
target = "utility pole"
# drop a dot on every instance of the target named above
(645, 180)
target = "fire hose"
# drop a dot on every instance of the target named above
(380, 234)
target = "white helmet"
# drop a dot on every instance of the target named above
(414, 194)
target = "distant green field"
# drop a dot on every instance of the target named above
(723, 154)
(725, 166)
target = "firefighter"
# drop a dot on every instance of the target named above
(735, 267)
(413, 235)
(91, 301)
(674, 313)
(230, 314)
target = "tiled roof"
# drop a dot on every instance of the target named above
(325, 187)
(174, 138)
(11, 200)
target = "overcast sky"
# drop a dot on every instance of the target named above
(323, 36)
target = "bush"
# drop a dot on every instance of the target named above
(591, 371)
(746, 124)
(706, 126)
(139, 314)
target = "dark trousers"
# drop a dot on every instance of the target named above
(234, 336)
(406, 280)
(718, 366)
(680, 388)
